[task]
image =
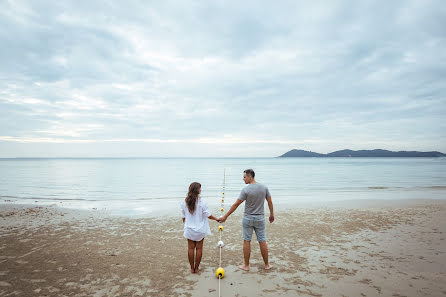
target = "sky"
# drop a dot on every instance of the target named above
(220, 78)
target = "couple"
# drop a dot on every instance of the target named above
(195, 215)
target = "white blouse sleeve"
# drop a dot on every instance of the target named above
(206, 211)
(183, 214)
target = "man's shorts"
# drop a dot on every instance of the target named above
(256, 224)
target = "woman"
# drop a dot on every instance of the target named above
(195, 215)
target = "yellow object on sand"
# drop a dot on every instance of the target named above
(220, 228)
(222, 209)
(220, 273)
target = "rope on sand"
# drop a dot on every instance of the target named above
(220, 271)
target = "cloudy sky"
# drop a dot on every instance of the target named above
(220, 78)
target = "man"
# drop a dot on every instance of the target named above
(254, 216)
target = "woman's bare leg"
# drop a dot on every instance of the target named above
(190, 254)
(199, 253)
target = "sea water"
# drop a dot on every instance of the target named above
(132, 186)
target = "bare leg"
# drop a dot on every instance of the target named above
(246, 255)
(190, 254)
(199, 253)
(264, 252)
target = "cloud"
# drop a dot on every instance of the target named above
(341, 73)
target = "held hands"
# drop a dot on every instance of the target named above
(224, 218)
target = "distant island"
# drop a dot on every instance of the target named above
(378, 153)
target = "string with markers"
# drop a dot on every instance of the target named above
(220, 229)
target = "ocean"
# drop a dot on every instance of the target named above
(138, 186)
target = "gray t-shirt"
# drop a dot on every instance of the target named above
(254, 196)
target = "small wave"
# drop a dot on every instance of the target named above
(154, 198)
(6, 196)
(437, 187)
(408, 188)
(92, 200)
(46, 198)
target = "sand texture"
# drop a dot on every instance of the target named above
(397, 250)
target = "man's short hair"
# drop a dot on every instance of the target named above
(250, 172)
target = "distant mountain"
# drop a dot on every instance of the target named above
(301, 153)
(378, 153)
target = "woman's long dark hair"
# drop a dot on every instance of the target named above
(192, 196)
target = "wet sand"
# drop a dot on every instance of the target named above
(397, 249)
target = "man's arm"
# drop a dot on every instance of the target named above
(231, 210)
(271, 209)
(184, 220)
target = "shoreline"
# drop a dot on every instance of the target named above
(287, 205)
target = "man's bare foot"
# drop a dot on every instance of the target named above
(192, 271)
(268, 267)
(244, 267)
(197, 270)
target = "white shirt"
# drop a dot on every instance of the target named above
(196, 226)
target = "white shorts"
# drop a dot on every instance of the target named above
(193, 235)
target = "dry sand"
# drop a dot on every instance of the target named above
(395, 250)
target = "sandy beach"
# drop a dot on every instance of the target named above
(396, 249)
